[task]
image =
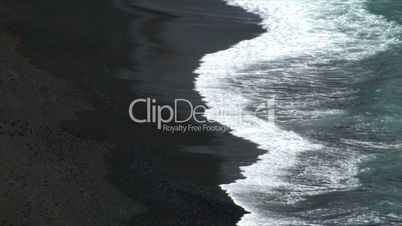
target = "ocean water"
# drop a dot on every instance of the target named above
(332, 73)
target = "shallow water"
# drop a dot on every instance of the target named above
(331, 71)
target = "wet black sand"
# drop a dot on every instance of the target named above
(95, 58)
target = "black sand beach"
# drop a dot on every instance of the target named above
(70, 155)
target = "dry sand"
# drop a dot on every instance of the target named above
(49, 176)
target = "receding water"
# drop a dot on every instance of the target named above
(334, 69)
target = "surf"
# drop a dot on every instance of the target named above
(305, 62)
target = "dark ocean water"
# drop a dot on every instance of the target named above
(334, 72)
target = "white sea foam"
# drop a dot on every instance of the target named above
(306, 46)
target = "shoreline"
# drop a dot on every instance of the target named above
(176, 178)
(166, 71)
